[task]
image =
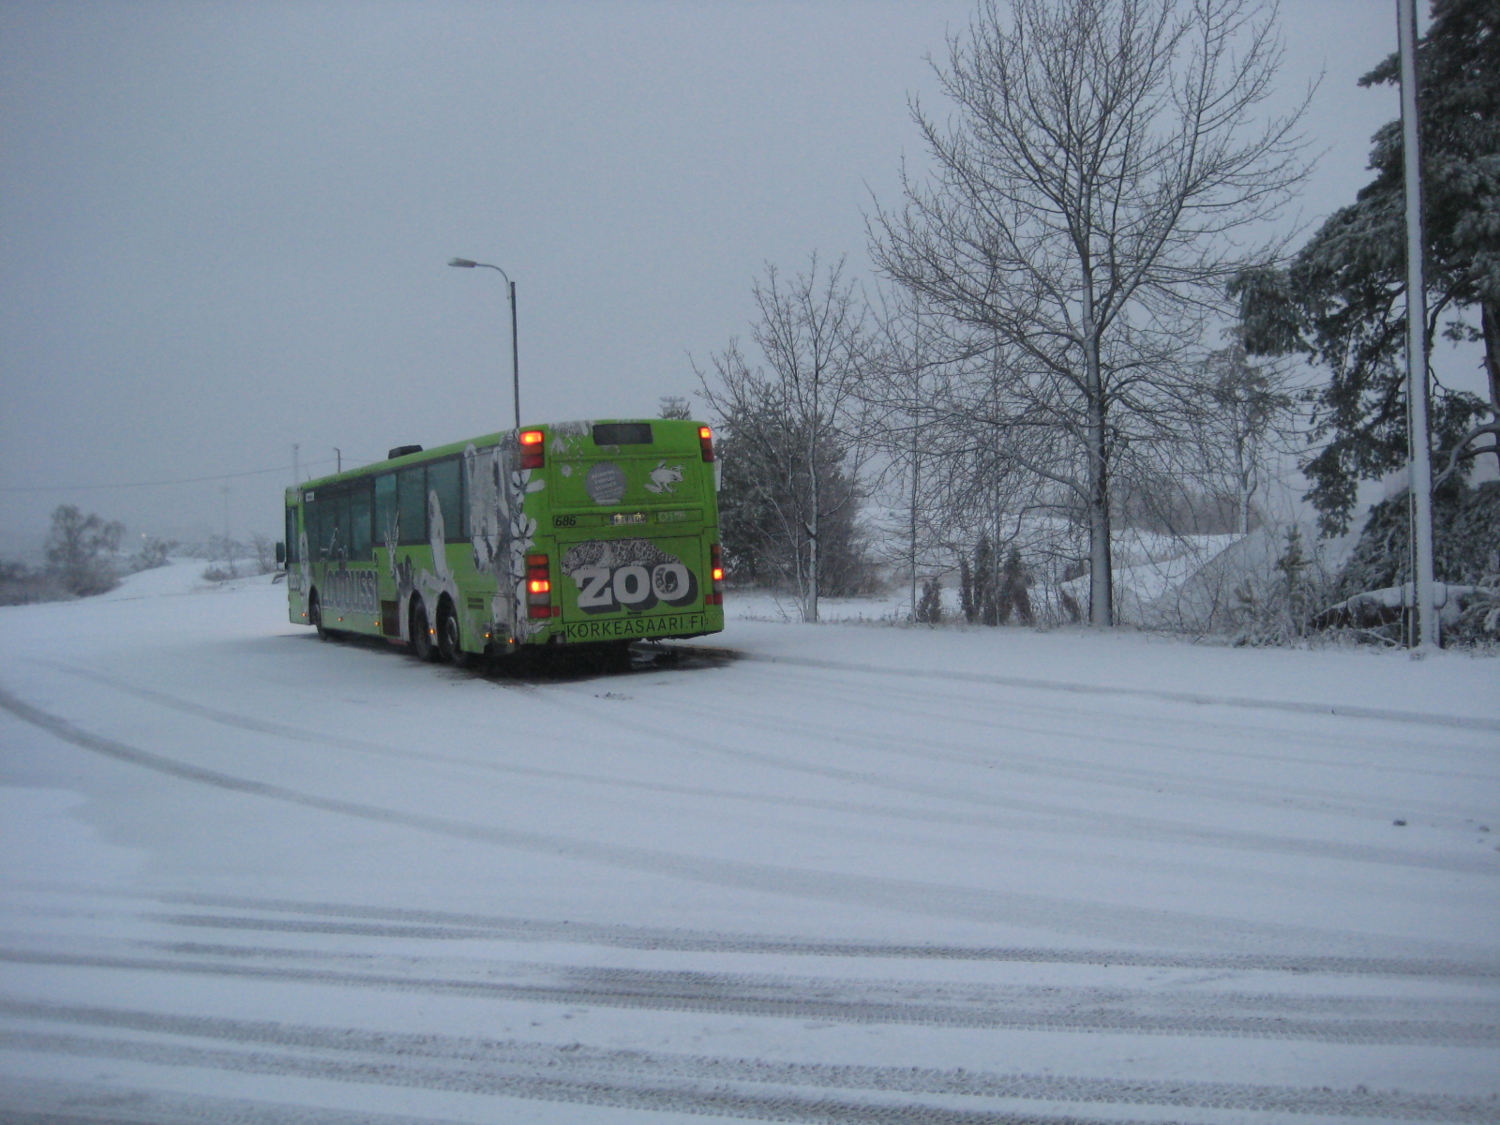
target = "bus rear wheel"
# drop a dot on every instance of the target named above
(450, 640)
(421, 633)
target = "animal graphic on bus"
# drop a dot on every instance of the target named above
(664, 478)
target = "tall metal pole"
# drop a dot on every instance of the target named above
(515, 362)
(916, 470)
(1416, 336)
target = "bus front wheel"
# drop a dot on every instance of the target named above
(315, 618)
(421, 633)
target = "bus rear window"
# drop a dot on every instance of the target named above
(622, 433)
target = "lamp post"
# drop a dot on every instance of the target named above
(515, 366)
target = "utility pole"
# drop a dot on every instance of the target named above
(1420, 476)
(296, 464)
(916, 439)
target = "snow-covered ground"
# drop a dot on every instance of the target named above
(858, 873)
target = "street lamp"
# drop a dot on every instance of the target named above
(515, 367)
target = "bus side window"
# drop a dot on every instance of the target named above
(446, 479)
(336, 527)
(291, 537)
(411, 493)
(359, 525)
(385, 508)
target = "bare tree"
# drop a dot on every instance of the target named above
(1086, 209)
(80, 550)
(952, 469)
(264, 549)
(1252, 408)
(901, 390)
(798, 417)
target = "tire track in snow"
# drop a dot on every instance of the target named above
(1294, 707)
(504, 1066)
(256, 725)
(659, 1098)
(30, 1101)
(1080, 821)
(287, 916)
(282, 730)
(1068, 1009)
(934, 704)
(1163, 928)
(408, 922)
(1323, 802)
(997, 712)
(1042, 816)
(1087, 822)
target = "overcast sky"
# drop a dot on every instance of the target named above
(224, 227)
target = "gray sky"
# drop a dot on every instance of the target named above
(224, 227)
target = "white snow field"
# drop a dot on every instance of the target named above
(859, 873)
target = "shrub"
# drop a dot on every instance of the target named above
(930, 604)
(80, 550)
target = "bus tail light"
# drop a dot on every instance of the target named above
(706, 442)
(533, 449)
(538, 587)
(715, 596)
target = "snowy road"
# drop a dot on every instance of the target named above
(856, 874)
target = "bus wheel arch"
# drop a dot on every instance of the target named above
(420, 630)
(315, 615)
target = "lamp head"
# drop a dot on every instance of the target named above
(464, 262)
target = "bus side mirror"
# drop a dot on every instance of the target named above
(281, 554)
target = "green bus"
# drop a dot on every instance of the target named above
(598, 532)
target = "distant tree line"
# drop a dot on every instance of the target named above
(83, 557)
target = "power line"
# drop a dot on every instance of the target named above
(157, 483)
(147, 483)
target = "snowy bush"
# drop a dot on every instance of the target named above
(153, 553)
(1466, 553)
(80, 551)
(930, 604)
